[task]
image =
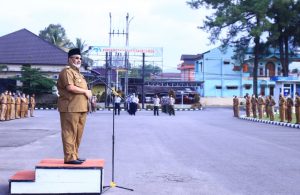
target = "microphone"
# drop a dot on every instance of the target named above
(87, 67)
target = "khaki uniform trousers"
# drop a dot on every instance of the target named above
(254, 111)
(32, 109)
(8, 112)
(18, 110)
(12, 111)
(260, 111)
(282, 111)
(248, 111)
(271, 113)
(3, 112)
(72, 125)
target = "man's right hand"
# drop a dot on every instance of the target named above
(88, 94)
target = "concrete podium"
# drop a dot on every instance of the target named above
(52, 176)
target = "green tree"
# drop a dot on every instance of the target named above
(56, 35)
(235, 21)
(34, 81)
(285, 28)
(80, 44)
(149, 70)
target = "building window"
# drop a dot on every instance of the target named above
(201, 65)
(226, 62)
(261, 71)
(218, 87)
(232, 87)
(248, 86)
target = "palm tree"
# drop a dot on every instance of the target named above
(80, 44)
(56, 35)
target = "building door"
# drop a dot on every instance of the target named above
(270, 69)
(263, 90)
(271, 87)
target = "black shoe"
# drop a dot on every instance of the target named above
(74, 162)
(81, 159)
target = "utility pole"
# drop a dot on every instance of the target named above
(126, 59)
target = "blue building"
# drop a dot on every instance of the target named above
(218, 72)
(224, 77)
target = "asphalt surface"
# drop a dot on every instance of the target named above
(205, 152)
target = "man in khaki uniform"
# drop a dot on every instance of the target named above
(236, 105)
(271, 107)
(23, 105)
(289, 108)
(12, 106)
(18, 106)
(261, 103)
(8, 111)
(32, 104)
(3, 100)
(282, 107)
(27, 106)
(254, 105)
(248, 105)
(267, 102)
(73, 106)
(297, 108)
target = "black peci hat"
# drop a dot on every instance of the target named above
(74, 51)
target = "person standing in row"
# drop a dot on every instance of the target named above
(3, 100)
(13, 107)
(7, 114)
(261, 103)
(32, 104)
(156, 103)
(254, 105)
(117, 99)
(171, 105)
(271, 107)
(72, 106)
(297, 108)
(267, 102)
(18, 106)
(236, 104)
(282, 107)
(289, 108)
(23, 105)
(248, 105)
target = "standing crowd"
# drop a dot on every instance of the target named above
(264, 106)
(15, 106)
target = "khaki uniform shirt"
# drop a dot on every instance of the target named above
(68, 101)
(261, 101)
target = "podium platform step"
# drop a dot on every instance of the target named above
(52, 176)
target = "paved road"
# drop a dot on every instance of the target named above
(193, 153)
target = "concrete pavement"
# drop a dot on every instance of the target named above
(195, 152)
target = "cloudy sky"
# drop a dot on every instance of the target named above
(170, 24)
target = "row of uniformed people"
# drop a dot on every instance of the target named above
(266, 104)
(15, 106)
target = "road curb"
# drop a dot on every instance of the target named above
(284, 124)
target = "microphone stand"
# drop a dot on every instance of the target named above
(112, 184)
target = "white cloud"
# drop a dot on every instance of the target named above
(170, 24)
